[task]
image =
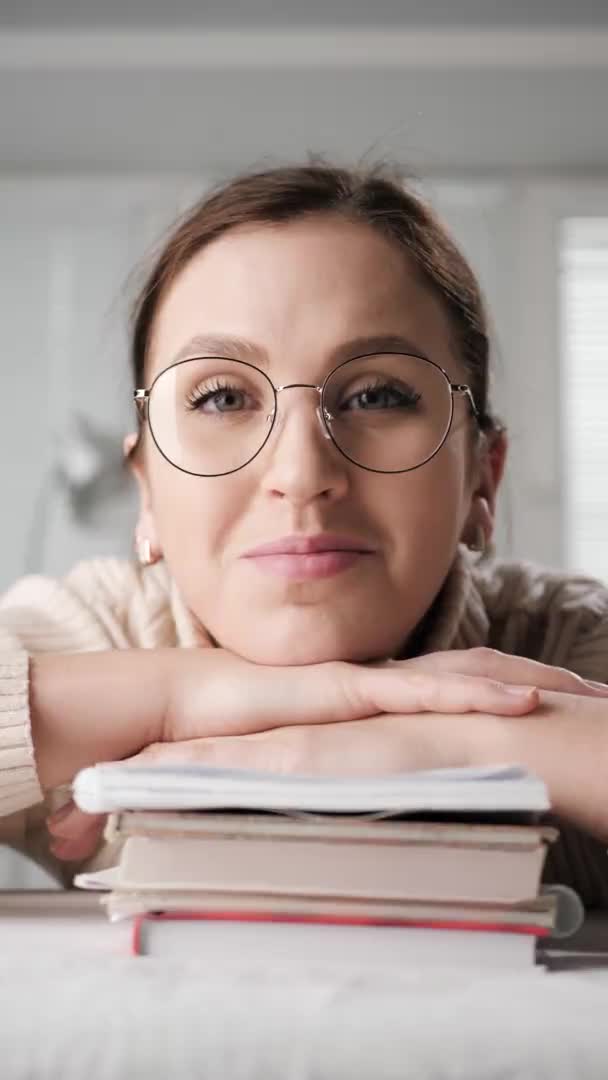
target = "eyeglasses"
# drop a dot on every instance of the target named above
(385, 412)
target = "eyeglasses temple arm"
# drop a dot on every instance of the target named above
(140, 397)
(460, 388)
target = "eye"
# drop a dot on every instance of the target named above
(381, 395)
(218, 398)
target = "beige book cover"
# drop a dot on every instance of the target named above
(334, 866)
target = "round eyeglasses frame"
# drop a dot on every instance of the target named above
(141, 397)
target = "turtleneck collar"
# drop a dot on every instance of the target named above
(458, 618)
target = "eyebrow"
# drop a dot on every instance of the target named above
(240, 348)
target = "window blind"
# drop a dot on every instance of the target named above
(584, 392)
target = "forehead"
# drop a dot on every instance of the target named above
(300, 289)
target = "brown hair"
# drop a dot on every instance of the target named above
(376, 197)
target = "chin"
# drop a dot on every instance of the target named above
(297, 642)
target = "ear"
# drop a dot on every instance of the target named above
(146, 526)
(489, 470)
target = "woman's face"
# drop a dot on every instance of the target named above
(302, 295)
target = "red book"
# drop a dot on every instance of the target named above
(228, 940)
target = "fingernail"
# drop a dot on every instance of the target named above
(601, 687)
(518, 691)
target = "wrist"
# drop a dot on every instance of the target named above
(172, 676)
(91, 707)
(492, 740)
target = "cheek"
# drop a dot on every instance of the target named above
(195, 517)
(425, 509)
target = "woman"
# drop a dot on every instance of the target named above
(317, 464)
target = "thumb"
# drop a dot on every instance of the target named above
(74, 834)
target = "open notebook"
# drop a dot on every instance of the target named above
(120, 786)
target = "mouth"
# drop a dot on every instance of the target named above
(301, 558)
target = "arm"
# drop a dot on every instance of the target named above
(72, 711)
(565, 742)
(565, 739)
(50, 621)
(94, 707)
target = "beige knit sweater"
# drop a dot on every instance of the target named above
(111, 604)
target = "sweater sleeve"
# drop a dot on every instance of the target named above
(101, 604)
(19, 785)
(587, 652)
(83, 612)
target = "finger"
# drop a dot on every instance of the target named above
(212, 750)
(259, 750)
(83, 839)
(77, 848)
(399, 691)
(492, 664)
(70, 821)
(61, 814)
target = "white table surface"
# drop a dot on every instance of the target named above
(74, 1004)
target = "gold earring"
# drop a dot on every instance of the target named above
(478, 544)
(144, 552)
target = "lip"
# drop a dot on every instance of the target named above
(304, 558)
(301, 545)
(320, 564)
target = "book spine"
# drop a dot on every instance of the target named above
(140, 922)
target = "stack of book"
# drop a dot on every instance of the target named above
(427, 868)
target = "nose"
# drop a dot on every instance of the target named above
(301, 462)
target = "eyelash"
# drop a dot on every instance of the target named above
(410, 397)
(199, 397)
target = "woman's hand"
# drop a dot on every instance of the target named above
(228, 701)
(219, 694)
(381, 744)
(397, 742)
(387, 743)
(447, 728)
(74, 834)
(502, 667)
(222, 694)
(244, 702)
(564, 742)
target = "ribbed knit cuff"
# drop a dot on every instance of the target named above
(19, 785)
